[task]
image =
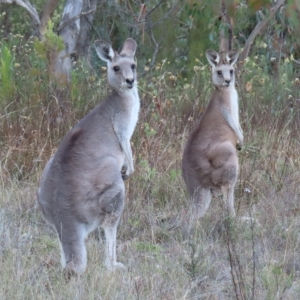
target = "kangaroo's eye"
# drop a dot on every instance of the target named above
(133, 66)
(231, 72)
(116, 68)
(219, 73)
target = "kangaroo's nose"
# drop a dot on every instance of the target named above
(130, 81)
(227, 81)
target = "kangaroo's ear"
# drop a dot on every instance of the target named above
(129, 47)
(104, 50)
(212, 57)
(232, 56)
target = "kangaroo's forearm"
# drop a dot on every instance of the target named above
(233, 124)
(125, 145)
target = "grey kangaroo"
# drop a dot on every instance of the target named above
(210, 162)
(82, 184)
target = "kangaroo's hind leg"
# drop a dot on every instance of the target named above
(230, 173)
(225, 173)
(228, 199)
(202, 199)
(73, 251)
(111, 206)
(200, 196)
(110, 232)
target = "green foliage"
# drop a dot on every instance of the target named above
(255, 5)
(202, 28)
(7, 86)
(149, 173)
(29, 108)
(174, 174)
(51, 43)
(147, 247)
(293, 12)
(275, 280)
(189, 27)
(260, 73)
(149, 131)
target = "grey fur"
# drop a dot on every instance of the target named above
(81, 186)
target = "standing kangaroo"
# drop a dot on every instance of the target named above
(210, 162)
(82, 185)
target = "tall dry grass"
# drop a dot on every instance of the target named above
(167, 254)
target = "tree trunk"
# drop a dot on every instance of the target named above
(69, 29)
(226, 33)
(82, 48)
(47, 14)
(224, 40)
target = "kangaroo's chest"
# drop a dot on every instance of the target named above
(234, 107)
(221, 117)
(132, 101)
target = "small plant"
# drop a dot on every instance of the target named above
(7, 86)
(51, 43)
(149, 131)
(192, 266)
(275, 281)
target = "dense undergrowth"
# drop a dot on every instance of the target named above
(166, 258)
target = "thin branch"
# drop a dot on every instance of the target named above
(253, 256)
(166, 16)
(256, 31)
(62, 26)
(111, 29)
(155, 7)
(155, 50)
(154, 53)
(94, 28)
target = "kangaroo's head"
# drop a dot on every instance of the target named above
(222, 67)
(121, 67)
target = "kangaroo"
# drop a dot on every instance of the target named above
(82, 185)
(210, 162)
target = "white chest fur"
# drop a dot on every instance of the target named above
(133, 106)
(233, 96)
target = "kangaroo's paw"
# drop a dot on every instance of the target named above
(115, 266)
(124, 172)
(239, 147)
